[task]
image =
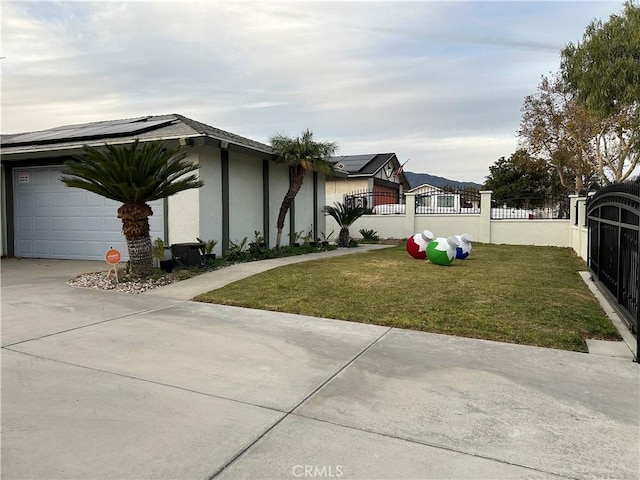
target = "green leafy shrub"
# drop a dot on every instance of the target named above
(369, 235)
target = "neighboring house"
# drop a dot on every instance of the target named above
(432, 199)
(373, 179)
(242, 193)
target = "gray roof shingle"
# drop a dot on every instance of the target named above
(155, 127)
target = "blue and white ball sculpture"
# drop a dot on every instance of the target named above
(464, 249)
(442, 251)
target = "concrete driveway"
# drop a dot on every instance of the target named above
(101, 385)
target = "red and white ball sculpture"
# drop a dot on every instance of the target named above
(417, 244)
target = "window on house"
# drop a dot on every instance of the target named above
(445, 201)
(424, 201)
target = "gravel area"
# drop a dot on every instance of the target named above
(101, 281)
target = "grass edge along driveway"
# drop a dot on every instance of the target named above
(507, 293)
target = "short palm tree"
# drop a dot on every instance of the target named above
(133, 175)
(302, 154)
(344, 216)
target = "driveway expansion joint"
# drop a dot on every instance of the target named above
(298, 405)
(146, 380)
(430, 444)
(139, 312)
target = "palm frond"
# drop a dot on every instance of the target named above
(304, 151)
(344, 215)
(137, 173)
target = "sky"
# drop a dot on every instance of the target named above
(439, 83)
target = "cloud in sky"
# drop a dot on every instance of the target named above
(441, 83)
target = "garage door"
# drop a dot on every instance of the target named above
(54, 221)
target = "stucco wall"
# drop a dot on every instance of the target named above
(322, 201)
(561, 233)
(387, 226)
(514, 232)
(210, 197)
(278, 186)
(446, 225)
(579, 233)
(556, 233)
(245, 196)
(183, 210)
(337, 187)
(3, 213)
(198, 213)
(304, 206)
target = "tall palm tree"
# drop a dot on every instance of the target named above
(344, 215)
(133, 175)
(303, 155)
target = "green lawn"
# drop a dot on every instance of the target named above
(518, 294)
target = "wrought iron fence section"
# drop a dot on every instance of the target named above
(614, 252)
(630, 274)
(608, 255)
(547, 207)
(448, 201)
(375, 201)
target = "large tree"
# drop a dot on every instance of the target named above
(558, 128)
(603, 72)
(522, 181)
(302, 154)
(133, 175)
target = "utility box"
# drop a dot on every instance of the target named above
(188, 254)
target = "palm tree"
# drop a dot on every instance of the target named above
(133, 175)
(302, 154)
(345, 216)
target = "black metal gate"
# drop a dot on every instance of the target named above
(613, 216)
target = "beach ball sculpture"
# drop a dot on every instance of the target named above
(464, 249)
(417, 244)
(442, 251)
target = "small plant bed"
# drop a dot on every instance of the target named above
(238, 252)
(507, 293)
(127, 283)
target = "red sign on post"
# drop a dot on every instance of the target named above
(112, 257)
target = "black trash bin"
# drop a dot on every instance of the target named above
(188, 254)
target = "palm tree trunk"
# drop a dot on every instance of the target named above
(135, 227)
(139, 256)
(343, 238)
(297, 179)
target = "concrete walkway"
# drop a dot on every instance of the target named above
(188, 289)
(101, 385)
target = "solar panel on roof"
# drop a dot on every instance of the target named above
(32, 136)
(149, 125)
(88, 131)
(354, 163)
(100, 123)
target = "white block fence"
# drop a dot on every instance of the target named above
(542, 232)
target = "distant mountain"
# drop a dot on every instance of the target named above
(417, 179)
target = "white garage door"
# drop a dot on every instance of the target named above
(55, 221)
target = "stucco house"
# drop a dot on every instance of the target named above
(432, 199)
(242, 193)
(372, 179)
